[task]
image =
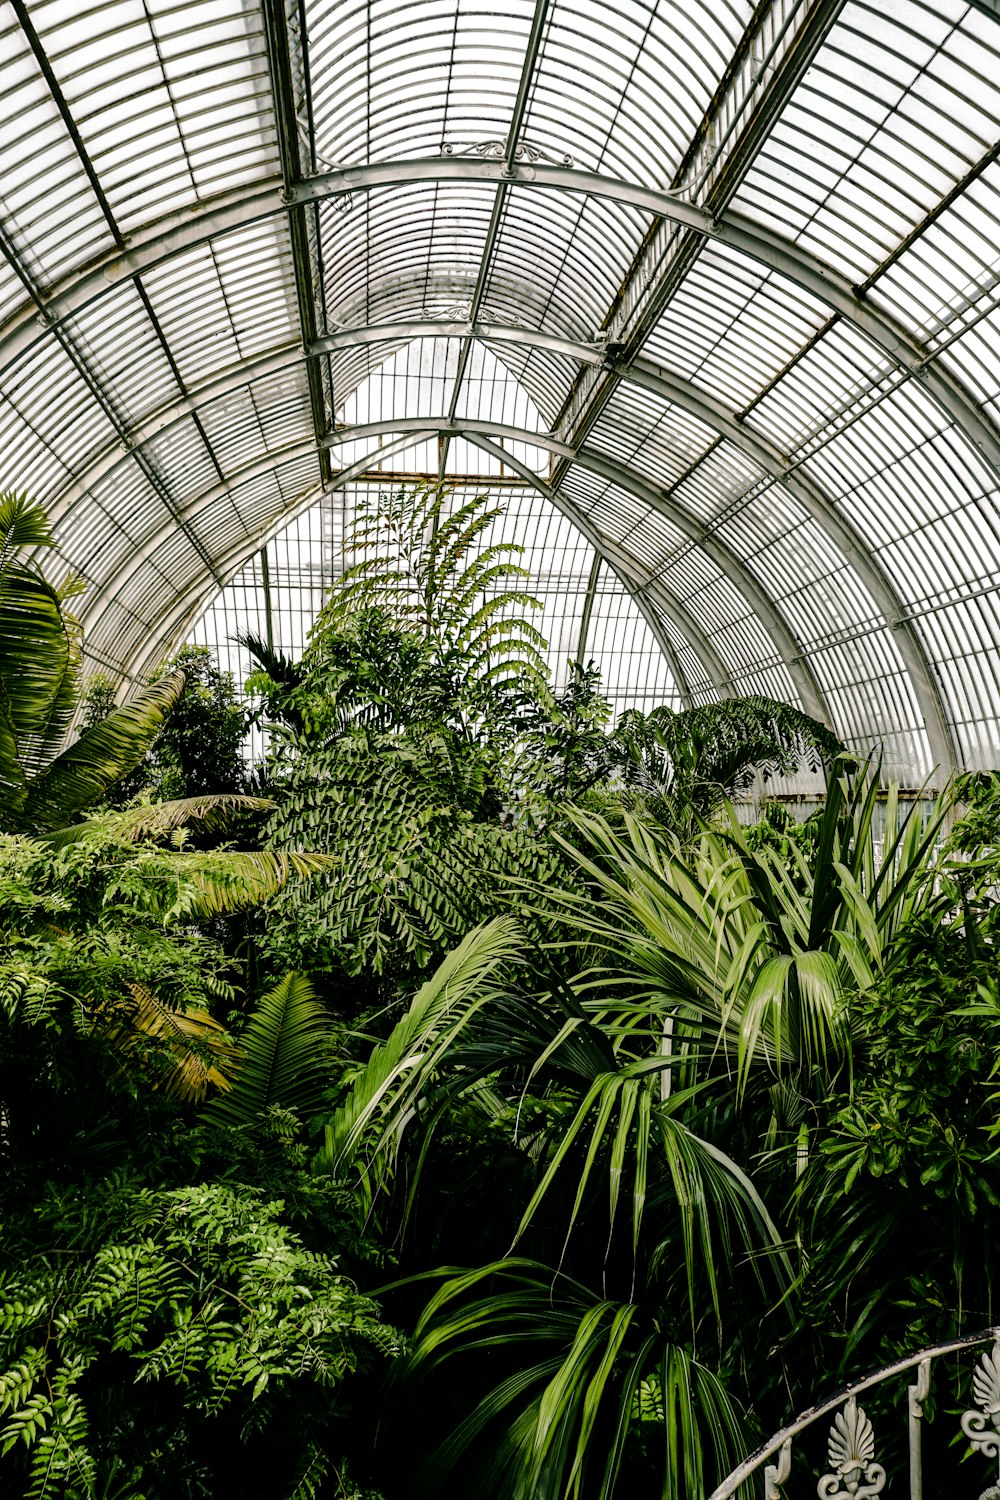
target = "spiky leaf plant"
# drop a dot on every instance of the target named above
(645, 1217)
(40, 788)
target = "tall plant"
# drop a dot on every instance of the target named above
(397, 736)
(624, 1277)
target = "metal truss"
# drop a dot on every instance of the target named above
(740, 125)
(788, 647)
(289, 108)
(508, 160)
(651, 597)
(178, 233)
(641, 586)
(642, 373)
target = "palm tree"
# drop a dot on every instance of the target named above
(765, 944)
(689, 762)
(653, 1218)
(711, 994)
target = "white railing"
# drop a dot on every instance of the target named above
(853, 1471)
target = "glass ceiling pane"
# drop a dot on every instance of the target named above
(170, 425)
(305, 559)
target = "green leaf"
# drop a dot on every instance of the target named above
(285, 1061)
(103, 754)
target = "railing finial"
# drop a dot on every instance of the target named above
(982, 1427)
(852, 1457)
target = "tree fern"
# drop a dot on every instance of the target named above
(457, 611)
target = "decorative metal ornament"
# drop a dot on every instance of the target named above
(851, 1453)
(776, 1475)
(982, 1427)
(497, 150)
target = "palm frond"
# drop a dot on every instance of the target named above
(279, 667)
(595, 1366)
(284, 1056)
(714, 751)
(23, 523)
(213, 813)
(384, 1092)
(38, 651)
(103, 754)
(217, 883)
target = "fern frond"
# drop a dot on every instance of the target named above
(284, 1058)
(213, 813)
(103, 754)
(202, 1053)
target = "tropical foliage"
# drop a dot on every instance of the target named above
(419, 742)
(396, 738)
(195, 1299)
(41, 786)
(198, 749)
(520, 1120)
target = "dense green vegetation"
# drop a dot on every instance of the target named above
(477, 1107)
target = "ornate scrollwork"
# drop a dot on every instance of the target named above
(459, 312)
(497, 150)
(982, 1427)
(851, 1454)
(776, 1475)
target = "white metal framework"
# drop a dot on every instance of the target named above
(710, 291)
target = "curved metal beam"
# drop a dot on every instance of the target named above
(182, 616)
(232, 560)
(622, 563)
(673, 609)
(179, 232)
(817, 504)
(275, 460)
(643, 373)
(729, 564)
(289, 356)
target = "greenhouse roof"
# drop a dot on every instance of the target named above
(708, 291)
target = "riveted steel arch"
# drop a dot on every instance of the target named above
(744, 254)
(788, 647)
(640, 372)
(620, 560)
(681, 617)
(650, 596)
(739, 233)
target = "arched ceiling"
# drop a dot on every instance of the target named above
(743, 259)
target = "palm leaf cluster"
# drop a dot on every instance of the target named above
(40, 788)
(692, 759)
(710, 1006)
(608, 1143)
(768, 946)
